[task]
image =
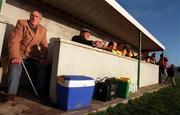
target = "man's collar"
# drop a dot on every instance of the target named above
(32, 27)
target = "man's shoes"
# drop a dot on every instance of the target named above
(7, 97)
(164, 81)
(10, 97)
(174, 84)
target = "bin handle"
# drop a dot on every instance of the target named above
(100, 80)
(104, 79)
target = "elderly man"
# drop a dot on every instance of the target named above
(27, 42)
(84, 36)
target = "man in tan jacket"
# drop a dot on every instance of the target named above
(27, 41)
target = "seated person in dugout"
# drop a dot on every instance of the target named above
(111, 47)
(120, 49)
(84, 37)
(148, 59)
(129, 52)
(144, 57)
(153, 58)
(28, 43)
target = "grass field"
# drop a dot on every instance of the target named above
(166, 101)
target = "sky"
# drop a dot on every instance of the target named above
(162, 19)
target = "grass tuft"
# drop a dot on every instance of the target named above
(166, 101)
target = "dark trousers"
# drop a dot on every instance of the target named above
(38, 73)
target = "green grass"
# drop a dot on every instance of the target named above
(166, 101)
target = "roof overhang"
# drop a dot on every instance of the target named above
(109, 17)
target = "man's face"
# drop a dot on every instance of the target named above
(120, 47)
(85, 35)
(114, 47)
(35, 18)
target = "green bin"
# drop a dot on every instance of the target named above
(123, 87)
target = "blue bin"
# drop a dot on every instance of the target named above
(74, 92)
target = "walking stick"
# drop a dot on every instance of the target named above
(29, 77)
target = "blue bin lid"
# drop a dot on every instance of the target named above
(76, 77)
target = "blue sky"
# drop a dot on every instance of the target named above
(162, 19)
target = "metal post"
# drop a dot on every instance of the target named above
(139, 60)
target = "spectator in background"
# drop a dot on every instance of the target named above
(171, 74)
(129, 52)
(145, 57)
(112, 47)
(148, 59)
(84, 38)
(153, 58)
(163, 65)
(120, 49)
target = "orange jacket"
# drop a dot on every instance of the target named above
(24, 42)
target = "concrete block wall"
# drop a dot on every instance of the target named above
(78, 59)
(2, 33)
(55, 26)
(12, 10)
(149, 74)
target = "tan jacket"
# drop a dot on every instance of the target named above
(25, 42)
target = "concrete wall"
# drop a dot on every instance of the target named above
(54, 28)
(12, 10)
(2, 33)
(73, 58)
(149, 74)
(57, 27)
(79, 59)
